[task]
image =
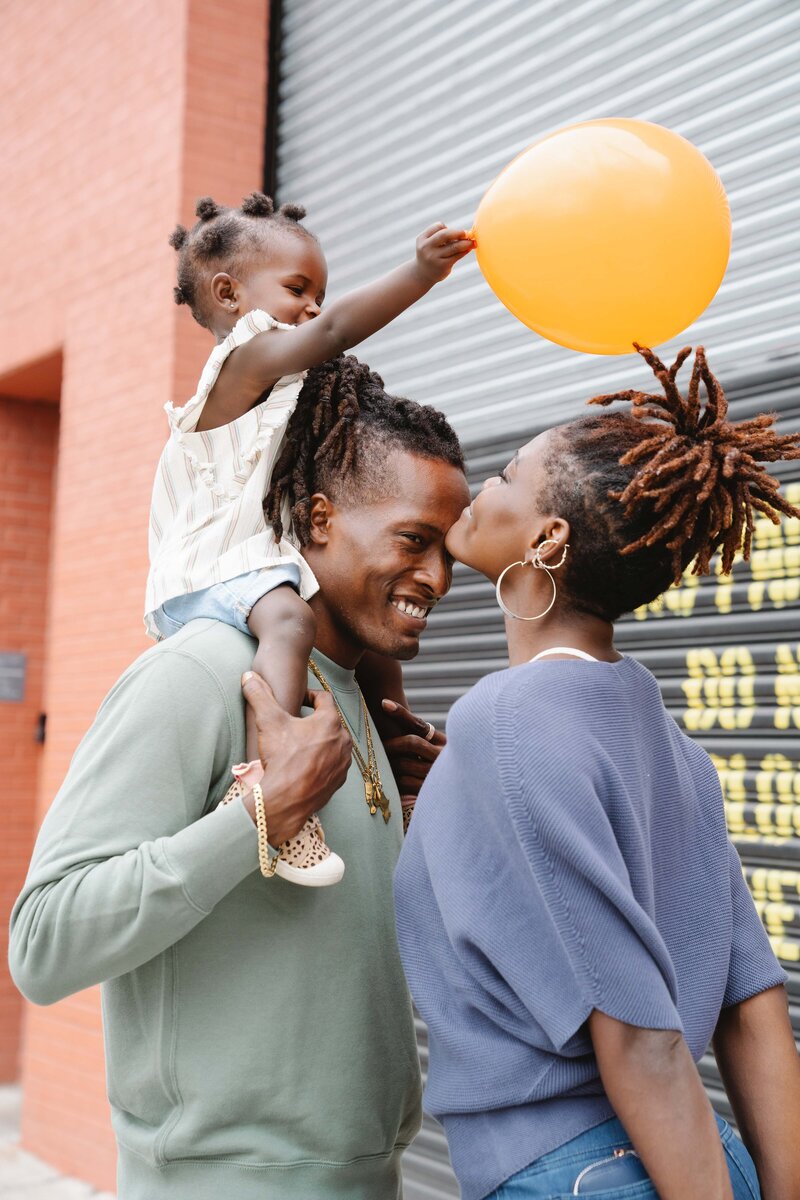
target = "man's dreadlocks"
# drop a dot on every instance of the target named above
(338, 438)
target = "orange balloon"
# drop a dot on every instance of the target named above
(604, 234)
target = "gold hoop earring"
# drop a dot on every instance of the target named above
(538, 565)
(537, 555)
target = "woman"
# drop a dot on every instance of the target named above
(572, 916)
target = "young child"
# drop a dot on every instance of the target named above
(256, 278)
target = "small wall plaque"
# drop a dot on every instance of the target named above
(12, 676)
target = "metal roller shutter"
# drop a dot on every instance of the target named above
(390, 116)
(393, 115)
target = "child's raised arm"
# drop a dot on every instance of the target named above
(258, 364)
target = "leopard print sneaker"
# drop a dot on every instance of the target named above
(306, 859)
(408, 811)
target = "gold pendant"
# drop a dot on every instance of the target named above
(383, 803)
(368, 796)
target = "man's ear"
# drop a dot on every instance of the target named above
(320, 517)
(225, 292)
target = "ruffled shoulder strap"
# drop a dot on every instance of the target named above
(183, 420)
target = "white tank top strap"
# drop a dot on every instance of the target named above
(564, 650)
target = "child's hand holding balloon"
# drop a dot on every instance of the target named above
(439, 249)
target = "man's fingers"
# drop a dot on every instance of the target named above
(259, 695)
(408, 786)
(405, 718)
(410, 768)
(325, 710)
(416, 725)
(411, 746)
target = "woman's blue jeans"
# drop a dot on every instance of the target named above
(553, 1176)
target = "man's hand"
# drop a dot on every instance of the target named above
(306, 758)
(410, 753)
(439, 249)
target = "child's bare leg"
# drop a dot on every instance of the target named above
(285, 627)
(381, 678)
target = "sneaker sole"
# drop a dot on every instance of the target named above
(322, 874)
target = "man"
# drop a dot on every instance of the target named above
(259, 1035)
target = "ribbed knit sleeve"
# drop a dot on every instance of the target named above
(753, 965)
(577, 933)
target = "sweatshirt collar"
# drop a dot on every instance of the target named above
(340, 678)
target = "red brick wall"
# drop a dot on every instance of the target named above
(28, 439)
(115, 117)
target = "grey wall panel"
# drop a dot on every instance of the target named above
(392, 116)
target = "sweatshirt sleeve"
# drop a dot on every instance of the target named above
(129, 858)
(753, 966)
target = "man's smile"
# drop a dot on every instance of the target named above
(412, 607)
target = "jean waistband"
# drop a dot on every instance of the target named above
(609, 1135)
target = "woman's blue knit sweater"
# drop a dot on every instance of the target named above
(568, 852)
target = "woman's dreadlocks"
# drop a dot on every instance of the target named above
(338, 436)
(686, 486)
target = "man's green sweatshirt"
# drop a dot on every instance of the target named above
(259, 1035)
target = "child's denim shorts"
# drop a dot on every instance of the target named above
(230, 602)
(554, 1176)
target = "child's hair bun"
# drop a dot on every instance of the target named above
(292, 212)
(258, 205)
(211, 242)
(206, 208)
(178, 237)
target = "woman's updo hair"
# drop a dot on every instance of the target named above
(667, 483)
(223, 239)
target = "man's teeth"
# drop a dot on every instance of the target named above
(413, 610)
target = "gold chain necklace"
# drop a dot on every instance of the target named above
(374, 794)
